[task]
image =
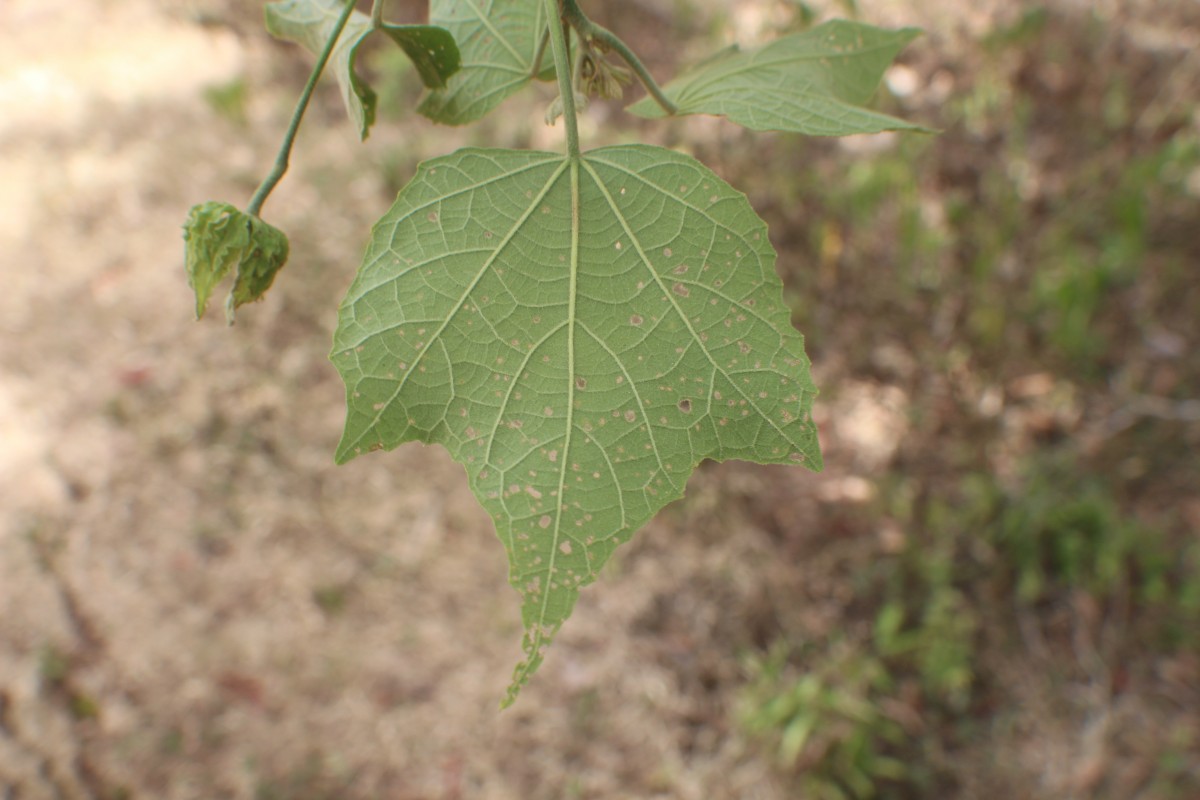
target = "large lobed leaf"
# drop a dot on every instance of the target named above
(310, 23)
(813, 82)
(579, 333)
(499, 42)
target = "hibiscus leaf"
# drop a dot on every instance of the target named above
(579, 333)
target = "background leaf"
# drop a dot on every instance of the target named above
(813, 82)
(579, 334)
(309, 23)
(499, 41)
(432, 49)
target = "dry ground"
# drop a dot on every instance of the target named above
(195, 603)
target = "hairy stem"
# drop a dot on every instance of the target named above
(285, 149)
(591, 32)
(562, 68)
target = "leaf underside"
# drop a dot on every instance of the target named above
(309, 23)
(813, 82)
(499, 42)
(579, 333)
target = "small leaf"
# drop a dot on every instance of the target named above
(219, 238)
(261, 261)
(215, 235)
(579, 333)
(309, 23)
(554, 111)
(432, 49)
(813, 82)
(499, 41)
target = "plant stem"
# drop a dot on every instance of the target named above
(590, 31)
(610, 40)
(285, 149)
(377, 14)
(562, 68)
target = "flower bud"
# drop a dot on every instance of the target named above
(219, 237)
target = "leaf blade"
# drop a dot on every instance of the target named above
(215, 236)
(617, 319)
(499, 43)
(813, 82)
(432, 50)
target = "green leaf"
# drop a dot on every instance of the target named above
(309, 23)
(499, 42)
(813, 82)
(215, 235)
(579, 333)
(261, 261)
(219, 238)
(432, 50)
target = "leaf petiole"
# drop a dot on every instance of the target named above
(562, 68)
(280, 166)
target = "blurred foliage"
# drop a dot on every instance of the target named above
(1064, 533)
(827, 725)
(927, 626)
(228, 100)
(1044, 239)
(874, 716)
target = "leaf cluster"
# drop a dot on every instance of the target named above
(580, 331)
(219, 240)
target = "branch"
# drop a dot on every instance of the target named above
(285, 149)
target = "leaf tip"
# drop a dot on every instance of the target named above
(815, 462)
(345, 451)
(521, 675)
